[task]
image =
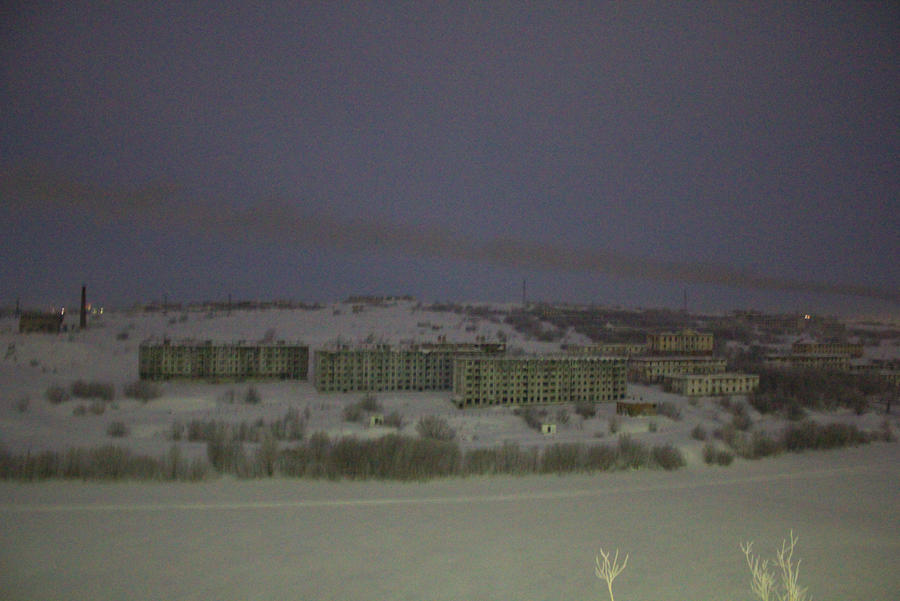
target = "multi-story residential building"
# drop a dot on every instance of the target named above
(685, 342)
(209, 360)
(548, 379)
(382, 367)
(827, 348)
(608, 349)
(711, 384)
(810, 361)
(649, 370)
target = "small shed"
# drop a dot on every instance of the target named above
(376, 420)
(548, 429)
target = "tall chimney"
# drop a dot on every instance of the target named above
(83, 322)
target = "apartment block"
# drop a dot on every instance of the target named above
(209, 360)
(810, 361)
(382, 367)
(650, 370)
(827, 348)
(711, 384)
(549, 379)
(608, 349)
(685, 342)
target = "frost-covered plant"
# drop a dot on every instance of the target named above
(607, 571)
(765, 583)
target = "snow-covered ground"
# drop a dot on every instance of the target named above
(473, 538)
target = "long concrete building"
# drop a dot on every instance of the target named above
(810, 361)
(208, 360)
(382, 367)
(608, 349)
(827, 348)
(685, 342)
(711, 384)
(650, 370)
(549, 379)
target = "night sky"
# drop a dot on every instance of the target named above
(612, 153)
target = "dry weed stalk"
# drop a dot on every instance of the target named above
(608, 571)
(763, 582)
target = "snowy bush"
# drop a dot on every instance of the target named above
(57, 394)
(142, 390)
(436, 428)
(117, 429)
(586, 409)
(93, 390)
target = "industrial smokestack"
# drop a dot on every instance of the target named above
(83, 321)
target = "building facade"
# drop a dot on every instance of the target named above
(827, 348)
(479, 381)
(208, 360)
(382, 367)
(608, 349)
(45, 323)
(685, 342)
(711, 384)
(809, 361)
(650, 370)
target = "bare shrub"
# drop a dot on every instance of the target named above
(562, 416)
(252, 397)
(631, 454)
(117, 429)
(669, 409)
(370, 404)
(563, 457)
(652, 427)
(93, 390)
(586, 409)
(532, 416)
(97, 407)
(436, 428)
(102, 463)
(353, 413)
(22, 404)
(57, 394)
(80, 410)
(614, 425)
(698, 433)
(712, 454)
(142, 390)
(740, 418)
(393, 420)
(667, 457)
(810, 435)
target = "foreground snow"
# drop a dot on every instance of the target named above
(480, 538)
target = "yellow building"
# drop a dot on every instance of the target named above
(827, 348)
(520, 380)
(685, 342)
(382, 367)
(208, 360)
(711, 384)
(649, 370)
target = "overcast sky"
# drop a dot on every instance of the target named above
(615, 153)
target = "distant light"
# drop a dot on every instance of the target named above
(62, 311)
(806, 316)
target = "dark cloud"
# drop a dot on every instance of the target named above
(279, 221)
